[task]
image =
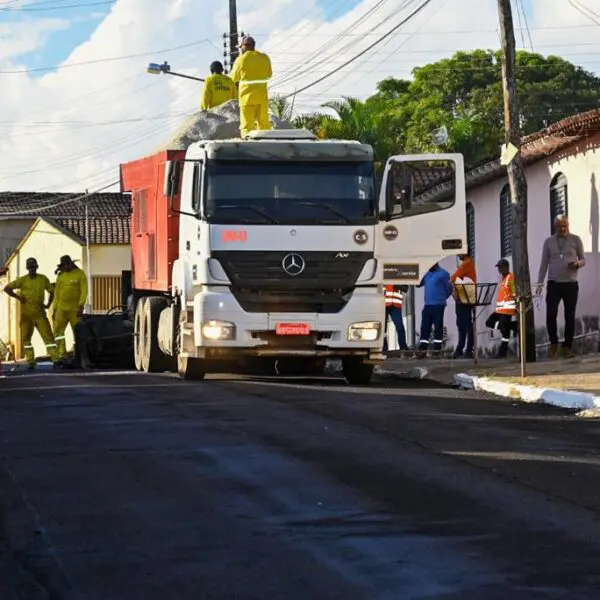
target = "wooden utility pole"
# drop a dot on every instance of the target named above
(233, 32)
(517, 183)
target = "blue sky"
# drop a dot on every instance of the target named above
(86, 15)
(84, 20)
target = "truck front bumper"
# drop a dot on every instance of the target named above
(221, 328)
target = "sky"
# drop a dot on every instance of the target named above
(76, 100)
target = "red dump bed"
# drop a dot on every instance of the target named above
(154, 227)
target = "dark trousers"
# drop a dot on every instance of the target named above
(568, 292)
(395, 314)
(506, 325)
(464, 324)
(432, 317)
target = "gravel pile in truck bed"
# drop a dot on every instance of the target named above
(220, 124)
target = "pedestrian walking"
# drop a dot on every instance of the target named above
(503, 318)
(252, 70)
(218, 88)
(562, 257)
(394, 298)
(464, 280)
(437, 291)
(33, 288)
(70, 296)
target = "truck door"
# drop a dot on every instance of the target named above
(422, 215)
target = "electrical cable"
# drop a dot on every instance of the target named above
(63, 7)
(363, 52)
(104, 60)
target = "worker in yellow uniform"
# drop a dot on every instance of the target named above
(252, 70)
(70, 296)
(33, 288)
(218, 88)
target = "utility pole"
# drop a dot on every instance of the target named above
(233, 32)
(518, 185)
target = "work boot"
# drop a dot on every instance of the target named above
(553, 350)
(457, 354)
(568, 353)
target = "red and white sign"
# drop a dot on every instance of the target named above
(292, 329)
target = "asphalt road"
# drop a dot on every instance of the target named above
(125, 487)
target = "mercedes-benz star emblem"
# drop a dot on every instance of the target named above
(293, 264)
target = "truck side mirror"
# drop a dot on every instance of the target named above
(172, 180)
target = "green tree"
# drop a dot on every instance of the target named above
(464, 94)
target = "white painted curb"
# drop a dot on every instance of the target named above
(528, 393)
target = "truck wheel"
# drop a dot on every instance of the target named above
(357, 372)
(190, 369)
(138, 333)
(153, 360)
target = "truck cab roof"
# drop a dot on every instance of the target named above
(281, 144)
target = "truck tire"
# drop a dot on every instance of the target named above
(356, 371)
(153, 359)
(190, 369)
(138, 333)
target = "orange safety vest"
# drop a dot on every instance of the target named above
(506, 304)
(393, 297)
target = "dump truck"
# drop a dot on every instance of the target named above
(270, 253)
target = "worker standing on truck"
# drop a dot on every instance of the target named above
(218, 88)
(252, 70)
(70, 296)
(33, 287)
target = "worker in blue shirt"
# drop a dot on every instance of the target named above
(437, 291)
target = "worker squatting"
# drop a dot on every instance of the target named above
(251, 72)
(67, 297)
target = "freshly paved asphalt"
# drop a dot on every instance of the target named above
(126, 486)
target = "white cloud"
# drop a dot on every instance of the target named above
(69, 129)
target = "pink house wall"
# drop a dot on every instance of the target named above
(581, 166)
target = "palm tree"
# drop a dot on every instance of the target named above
(281, 107)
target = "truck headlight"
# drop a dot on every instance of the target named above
(364, 332)
(218, 330)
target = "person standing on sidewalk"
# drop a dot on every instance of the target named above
(562, 257)
(506, 307)
(437, 291)
(464, 280)
(394, 296)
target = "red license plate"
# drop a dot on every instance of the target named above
(292, 329)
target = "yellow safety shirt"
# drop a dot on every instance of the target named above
(70, 290)
(252, 70)
(32, 290)
(218, 89)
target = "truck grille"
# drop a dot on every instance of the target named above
(260, 283)
(263, 270)
(315, 301)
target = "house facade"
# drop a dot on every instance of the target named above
(50, 237)
(563, 177)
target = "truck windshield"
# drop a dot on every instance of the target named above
(290, 193)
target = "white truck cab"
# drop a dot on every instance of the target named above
(285, 244)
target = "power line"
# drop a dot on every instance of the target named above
(47, 8)
(103, 60)
(581, 8)
(373, 45)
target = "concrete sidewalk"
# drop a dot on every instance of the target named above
(572, 383)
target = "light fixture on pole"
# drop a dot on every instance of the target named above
(165, 69)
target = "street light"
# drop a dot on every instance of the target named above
(165, 69)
